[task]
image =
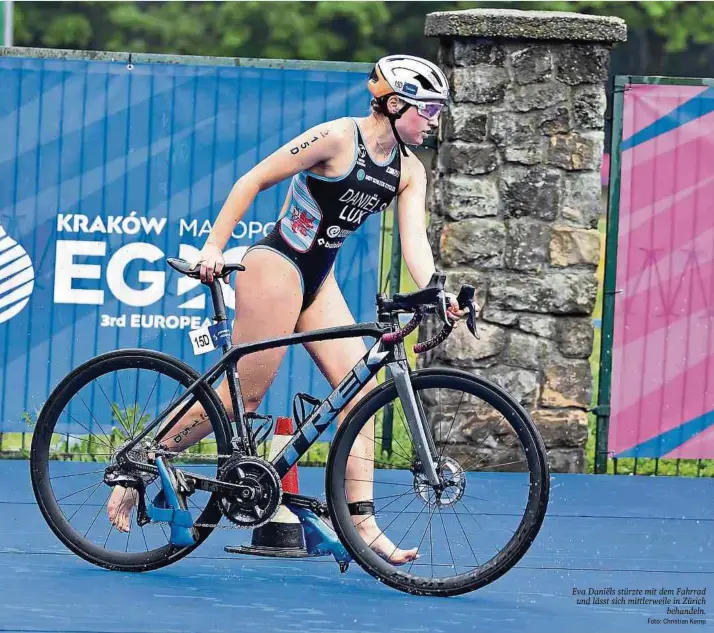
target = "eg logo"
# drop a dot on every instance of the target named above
(17, 277)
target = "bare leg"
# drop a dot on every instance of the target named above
(268, 302)
(335, 359)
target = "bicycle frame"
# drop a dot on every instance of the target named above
(377, 357)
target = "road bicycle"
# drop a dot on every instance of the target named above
(466, 479)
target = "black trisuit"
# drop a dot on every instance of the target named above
(323, 211)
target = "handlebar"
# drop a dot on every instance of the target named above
(429, 300)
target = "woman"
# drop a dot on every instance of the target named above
(342, 171)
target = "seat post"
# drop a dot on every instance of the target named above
(219, 305)
(243, 432)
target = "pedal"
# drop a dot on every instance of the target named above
(168, 507)
(320, 538)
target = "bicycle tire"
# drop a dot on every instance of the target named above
(83, 375)
(528, 528)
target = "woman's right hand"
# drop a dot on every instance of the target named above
(211, 261)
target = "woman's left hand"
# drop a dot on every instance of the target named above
(453, 312)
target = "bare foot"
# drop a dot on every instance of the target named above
(120, 505)
(375, 538)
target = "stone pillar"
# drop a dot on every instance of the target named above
(515, 204)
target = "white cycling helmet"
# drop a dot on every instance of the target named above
(409, 77)
(416, 81)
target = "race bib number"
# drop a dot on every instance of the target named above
(206, 339)
(201, 340)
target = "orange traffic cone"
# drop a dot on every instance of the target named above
(281, 537)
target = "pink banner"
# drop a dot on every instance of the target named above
(662, 402)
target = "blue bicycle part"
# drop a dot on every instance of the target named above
(320, 538)
(166, 508)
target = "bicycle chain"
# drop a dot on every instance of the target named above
(215, 526)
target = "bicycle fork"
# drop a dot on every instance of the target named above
(416, 419)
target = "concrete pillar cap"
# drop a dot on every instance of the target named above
(526, 25)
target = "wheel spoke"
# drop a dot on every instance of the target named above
(475, 498)
(126, 409)
(81, 505)
(102, 441)
(384, 531)
(441, 454)
(376, 512)
(438, 408)
(146, 404)
(143, 535)
(90, 472)
(388, 497)
(479, 526)
(374, 440)
(76, 492)
(431, 550)
(367, 459)
(410, 527)
(161, 426)
(112, 407)
(402, 455)
(451, 553)
(405, 426)
(421, 540)
(128, 534)
(465, 535)
(391, 483)
(520, 461)
(101, 507)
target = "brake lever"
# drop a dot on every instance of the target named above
(467, 300)
(441, 308)
(438, 280)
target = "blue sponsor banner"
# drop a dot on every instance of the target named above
(107, 169)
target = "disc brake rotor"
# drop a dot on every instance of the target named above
(453, 484)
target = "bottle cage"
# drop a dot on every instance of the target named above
(261, 433)
(299, 400)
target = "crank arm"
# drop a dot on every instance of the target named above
(308, 503)
(209, 484)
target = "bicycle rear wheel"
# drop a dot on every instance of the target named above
(493, 467)
(96, 409)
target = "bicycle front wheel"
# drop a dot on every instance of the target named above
(480, 520)
(95, 410)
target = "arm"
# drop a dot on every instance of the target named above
(411, 210)
(416, 249)
(314, 146)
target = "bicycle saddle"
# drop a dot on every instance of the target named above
(185, 267)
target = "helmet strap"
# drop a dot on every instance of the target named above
(392, 118)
